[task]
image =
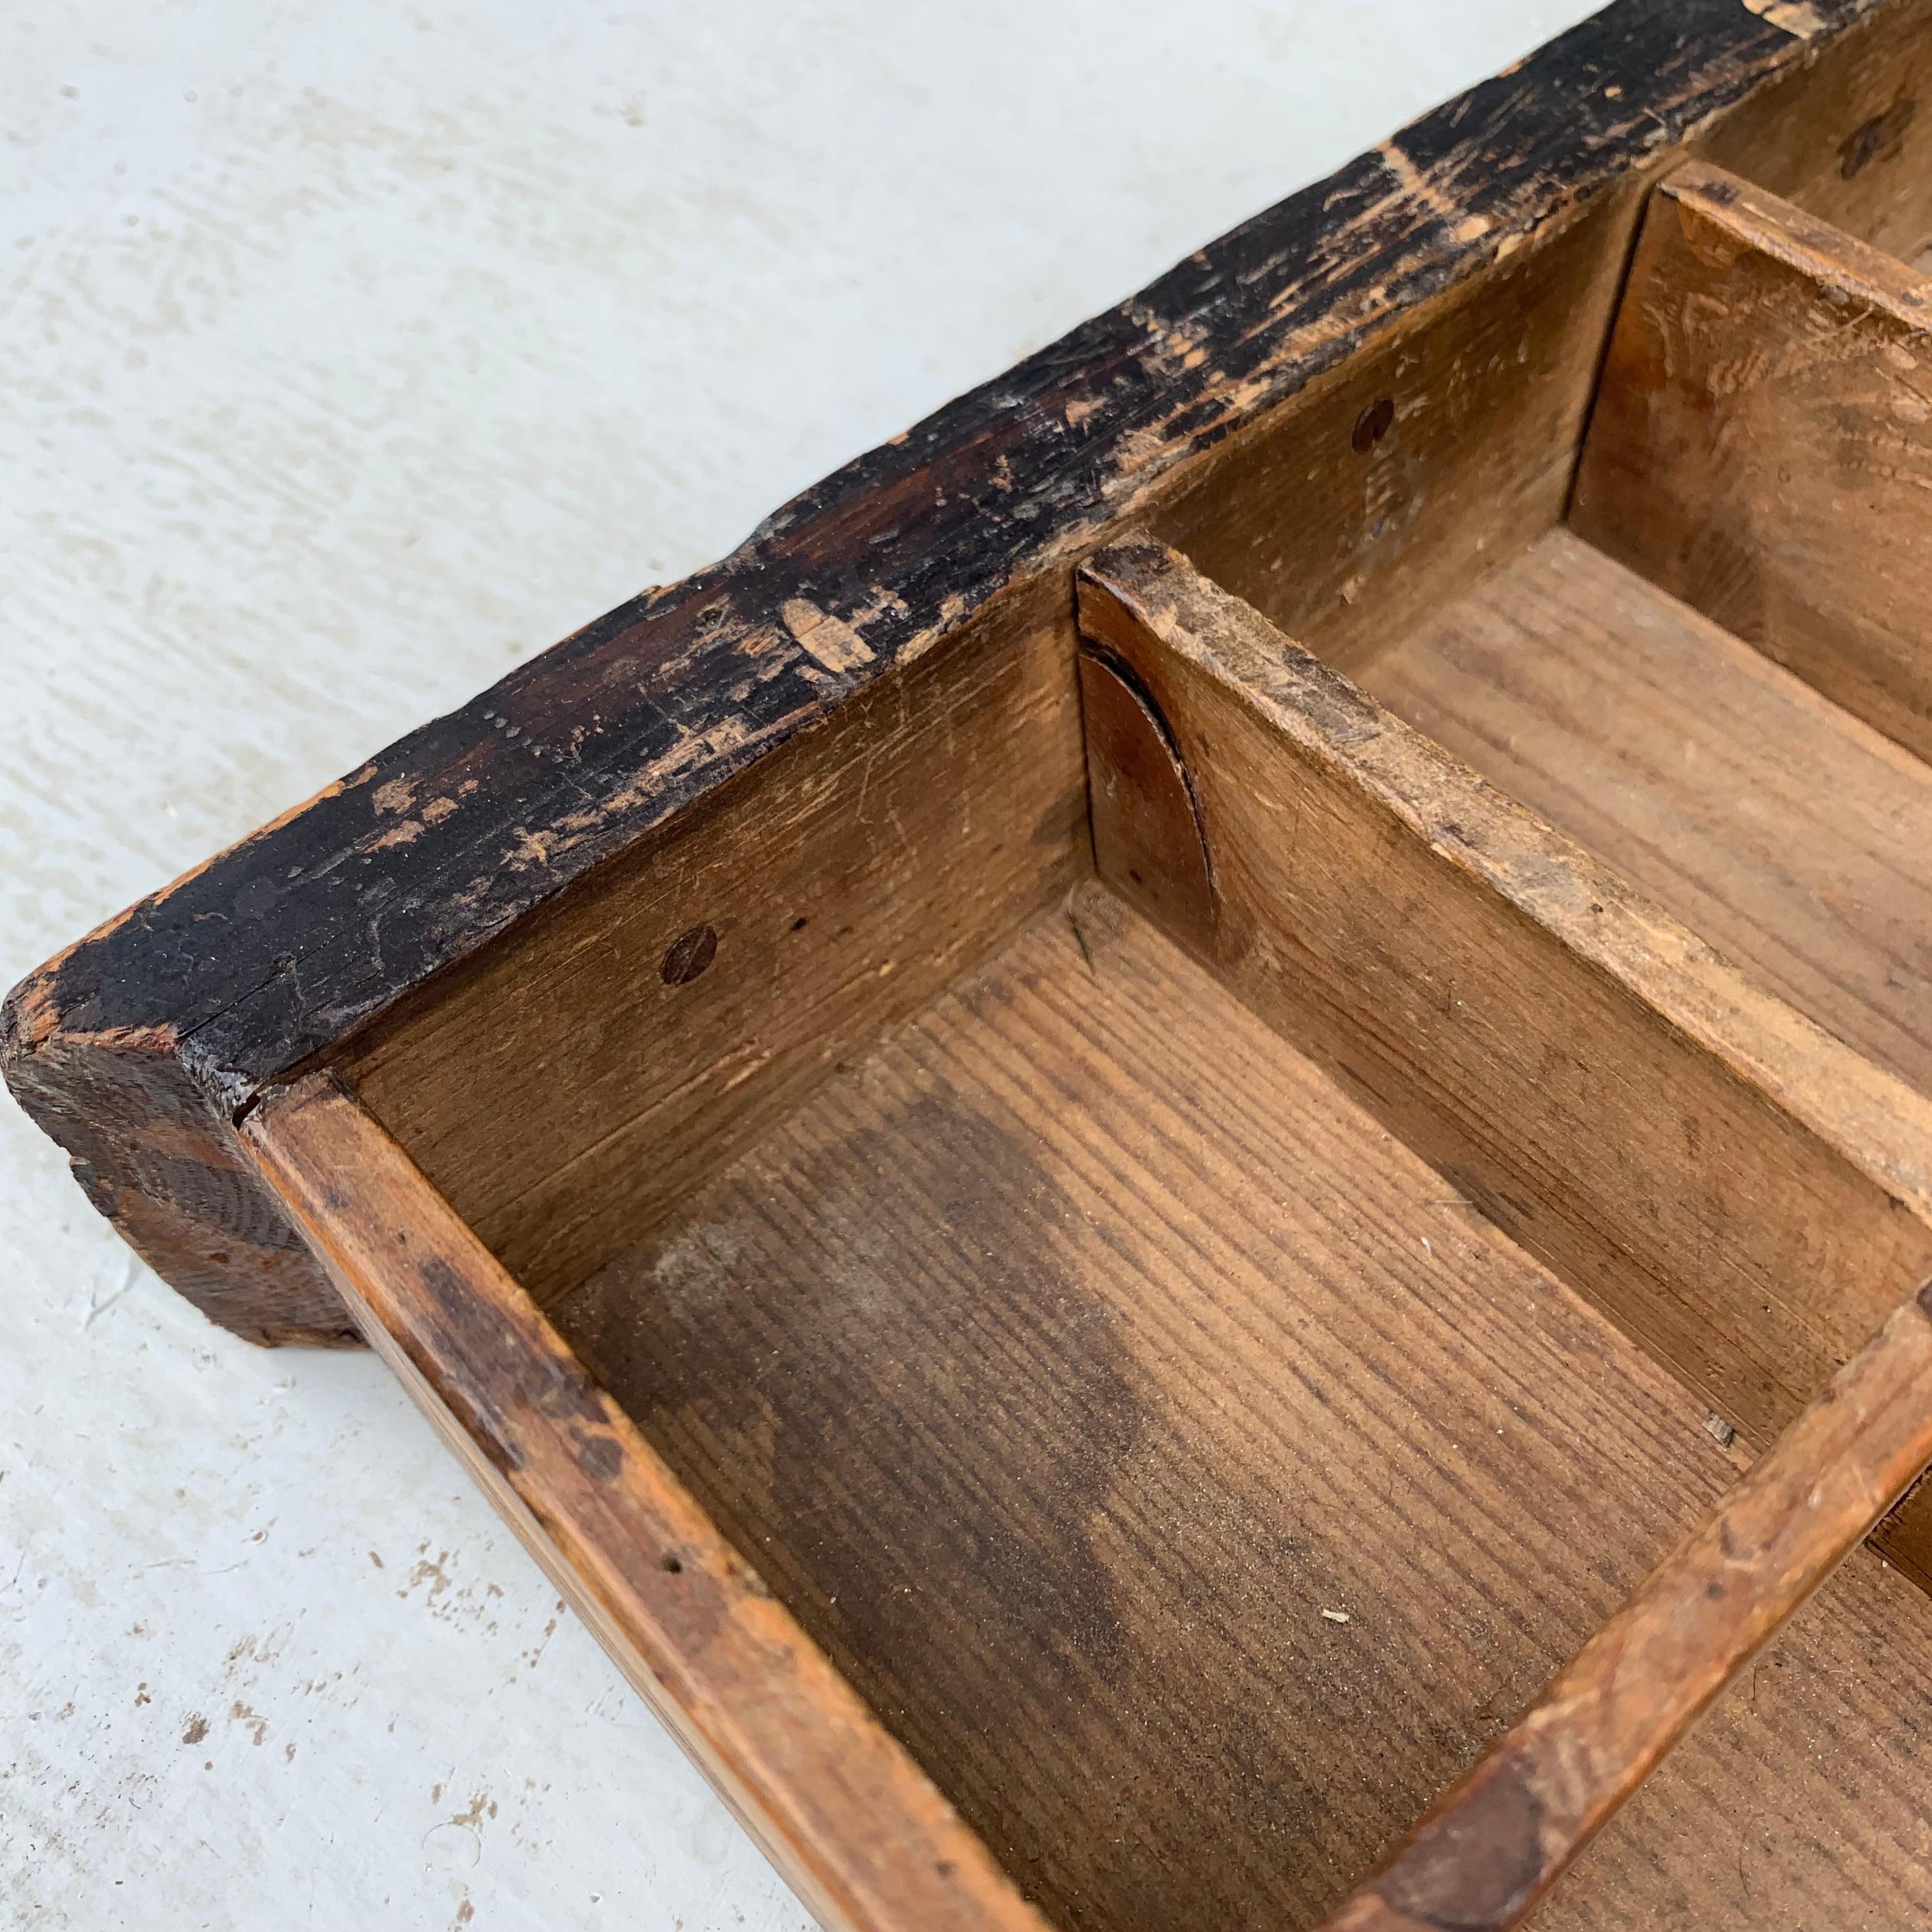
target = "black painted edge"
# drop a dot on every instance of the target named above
(291, 940)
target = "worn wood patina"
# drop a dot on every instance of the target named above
(140, 1047)
(1099, 1145)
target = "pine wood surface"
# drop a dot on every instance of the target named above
(831, 1799)
(1214, 384)
(1759, 446)
(621, 1047)
(1782, 830)
(1737, 1189)
(1506, 1831)
(1059, 1364)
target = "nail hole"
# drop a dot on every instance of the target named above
(688, 955)
(673, 1564)
(1372, 424)
(801, 922)
(1135, 877)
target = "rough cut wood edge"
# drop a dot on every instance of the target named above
(337, 913)
(1741, 1191)
(852, 1824)
(1505, 1833)
(1760, 444)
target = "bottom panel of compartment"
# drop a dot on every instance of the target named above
(1196, 1484)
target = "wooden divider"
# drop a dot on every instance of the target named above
(1504, 1834)
(1761, 444)
(1741, 1191)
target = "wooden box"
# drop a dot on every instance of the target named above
(1206, 1105)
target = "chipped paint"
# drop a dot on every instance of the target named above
(828, 639)
(993, 493)
(1795, 16)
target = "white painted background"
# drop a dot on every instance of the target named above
(351, 350)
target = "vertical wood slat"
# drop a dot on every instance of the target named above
(1742, 1192)
(1761, 444)
(836, 1804)
(1501, 1836)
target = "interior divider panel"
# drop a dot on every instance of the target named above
(1193, 1481)
(1510, 1828)
(1761, 444)
(1789, 834)
(1744, 1194)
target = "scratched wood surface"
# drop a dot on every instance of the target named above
(1779, 828)
(622, 1047)
(1060, 1365)
(582, 753)
(1759, 446)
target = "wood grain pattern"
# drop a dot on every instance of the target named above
(1064, 1361)
(171, 1179)
(576, 1083)
(1769, 821)
(345, 911)
(854, 1827)
(1848, 137)
(1495, 1843)
(1759, 446)
(1743, 1193)
(1448, 442)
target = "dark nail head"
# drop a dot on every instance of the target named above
(1372, 424)
(688, 955)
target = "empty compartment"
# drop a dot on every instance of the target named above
(1719, 677)
(1787, 832)
(1196, 1349)
(1188, 1475)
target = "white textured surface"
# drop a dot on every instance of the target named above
(349, 351)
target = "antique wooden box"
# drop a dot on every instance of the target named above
(1103, 1144)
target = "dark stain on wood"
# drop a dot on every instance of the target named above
(838, 1807)
(1483, 1874)
(1880, 139)
(1214, 1382)
(1001, 1361)
(1372, 424)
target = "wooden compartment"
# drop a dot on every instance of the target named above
(1717, 675)
(1203, 1108)
(1188, 1475)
